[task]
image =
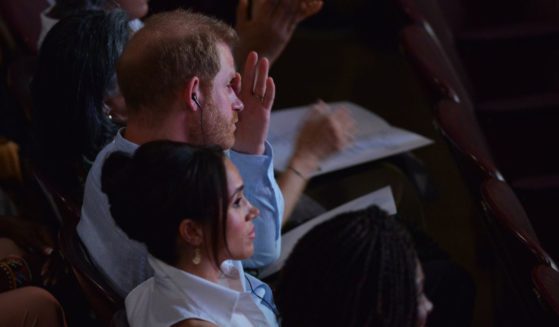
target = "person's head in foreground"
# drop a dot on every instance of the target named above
(358, 269)
(178, 72)
(184, 202)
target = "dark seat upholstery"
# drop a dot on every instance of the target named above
(23, 20)
(103, 299)
(546, 284)
(518, 250)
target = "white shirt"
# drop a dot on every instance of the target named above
(173, 295)
(46, 24)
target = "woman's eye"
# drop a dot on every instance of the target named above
(237, 202)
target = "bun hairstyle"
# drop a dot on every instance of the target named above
(163, 183)
(363, 274)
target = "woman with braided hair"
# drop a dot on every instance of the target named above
(365, 273)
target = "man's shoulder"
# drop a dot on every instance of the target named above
(100, 160)
(117, 145)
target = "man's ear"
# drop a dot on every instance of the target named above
(191, 232)
(192, 94)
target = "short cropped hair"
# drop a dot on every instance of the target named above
(172, 48)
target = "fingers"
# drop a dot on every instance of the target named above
(270, 93)
(286, 12)
(249, 73)
(292, 12)
(263, 8)
(256, 80)
(318, 110)
(325, 132)
(261, 78)
(309, 8)
(344, 124)
(242, 11)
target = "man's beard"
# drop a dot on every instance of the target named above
(212, 128)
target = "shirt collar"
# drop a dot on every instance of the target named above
(217, 300)
(123, 144)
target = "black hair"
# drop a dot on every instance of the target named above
(164, 183)
(65, 8)
(75, 71)
(357, 269)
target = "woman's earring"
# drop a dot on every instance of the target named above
(107, 111)
(196, 260)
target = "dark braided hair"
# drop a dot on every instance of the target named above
(357, 269)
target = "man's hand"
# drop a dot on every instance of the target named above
(271, 24)
(257, 92)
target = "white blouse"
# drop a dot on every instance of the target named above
(173, 295)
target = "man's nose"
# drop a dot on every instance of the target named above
(238, 104)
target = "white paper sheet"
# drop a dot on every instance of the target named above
(382, 198)
(374, 138)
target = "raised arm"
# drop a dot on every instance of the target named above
(253, 157)
(270, 25)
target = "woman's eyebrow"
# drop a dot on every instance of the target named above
(237, 190)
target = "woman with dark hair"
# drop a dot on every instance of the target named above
(135, 9)
(358, 269)
(186, 204)
(75, 92)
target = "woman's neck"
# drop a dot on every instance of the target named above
(205, 269)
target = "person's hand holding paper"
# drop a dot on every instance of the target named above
(325, 131)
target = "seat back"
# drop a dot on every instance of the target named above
(506, 211)
(432, 63)
(104, 301)
(546, 286)
(518, 250)
(459, 128)
(23, 19)
(442, 19)
(57, 200)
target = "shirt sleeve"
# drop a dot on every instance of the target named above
(263, 192)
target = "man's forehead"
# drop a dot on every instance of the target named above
(227, 61)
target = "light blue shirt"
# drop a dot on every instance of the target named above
(173, 295)
(124, 261)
